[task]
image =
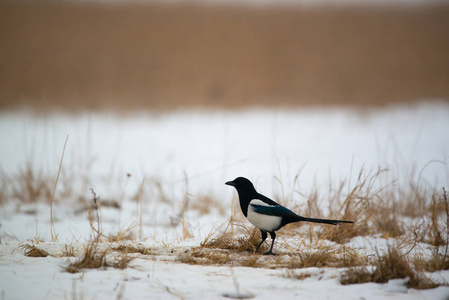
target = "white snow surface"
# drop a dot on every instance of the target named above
(162, 277)
(208, 148)
(195, 152)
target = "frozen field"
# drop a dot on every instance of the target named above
(207, 148)
(162, 176)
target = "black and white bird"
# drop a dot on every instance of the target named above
(265, 213)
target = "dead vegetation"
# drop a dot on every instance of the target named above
(229, 241)
(33, 251)
(94, 258)
(69, 251)
(125, 234)
(377, 205)
(391, 265)
(205, 204)
(129, 248)
(90, 259)
(377, 209)
(436, 262)
(328, 256)
(235, 246)
(435, 234)
(290, 273)
(198, 256)
(372, 206)
(336, 257)
(238, 249)
(225, 248)
(30, 186)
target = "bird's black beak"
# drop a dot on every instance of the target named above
(231, 183)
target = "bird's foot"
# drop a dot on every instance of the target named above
(269, 253)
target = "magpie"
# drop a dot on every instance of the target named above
(265, 213)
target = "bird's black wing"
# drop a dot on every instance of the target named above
(277, 210)
(266, 200)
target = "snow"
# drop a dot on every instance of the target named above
(162, 279)
(193, 153)
(208, 148)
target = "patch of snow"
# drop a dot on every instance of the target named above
(193, 153)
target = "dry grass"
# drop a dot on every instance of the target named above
(391, 265)
(239, 250)
(414, 204)
(90, 259)
(435, 234)
(253, 261)
(325, 256)
(211, 257)
(226, 248)
(380, 209)
(33, 185)
(139, 210)
(186, 232)
(128, 248)
(319, 258)
(122, 261)
(359, 205)
(205, 204)
(95, 215)
(229, 241)
(436, 262)
(33, 251)
(69, 251)
(335, 257)
(30, 186)
(54, 236)
(93, 258)
(376, 209)
(290, 273)
(125, 234)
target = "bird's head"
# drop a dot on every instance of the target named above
(246, 192)
(242, 185)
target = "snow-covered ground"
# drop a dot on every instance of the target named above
(164, 278)
(191, 154)
(207, 148)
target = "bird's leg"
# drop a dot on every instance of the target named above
(264, 237)
(273, 237)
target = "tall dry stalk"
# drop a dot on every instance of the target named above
(97, 205)
(186, 234)
(52, 225)
(139, 208)
(447, 226)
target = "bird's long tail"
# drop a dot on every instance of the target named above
(325, 221)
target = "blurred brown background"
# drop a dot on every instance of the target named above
(163, 56)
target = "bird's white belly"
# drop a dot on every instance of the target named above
(264, 222)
